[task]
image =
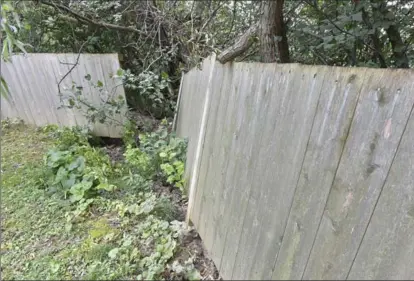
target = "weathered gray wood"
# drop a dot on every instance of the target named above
(376, 130)
(34, 93)
(53, 74)
(204, 88)
(218, 157)
(335, 110)
(387, 250)
(285, 155)
(43, 68)
(272, 88)
(210, 160)
(252, 131)
(233, 113)
(238, 193)
(188, 126)
(17, 102)
(278, 163)
(267, 100)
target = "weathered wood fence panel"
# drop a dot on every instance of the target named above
(303, 172)
(34, 96)
(380, 118)
(336, 107)
(388, 246)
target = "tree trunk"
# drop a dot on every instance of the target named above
(270, 28)
(375, 40)
(397, 44)
(267, 31)
(282, 43)
(398, 47)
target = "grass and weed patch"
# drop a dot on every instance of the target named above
(69, 212)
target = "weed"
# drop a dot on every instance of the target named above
(74, 215)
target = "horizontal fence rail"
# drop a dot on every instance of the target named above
(304, 172)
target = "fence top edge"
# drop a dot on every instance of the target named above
(409, 71)
(82, 54)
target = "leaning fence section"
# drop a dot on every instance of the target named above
(303, 172)
(35, 97)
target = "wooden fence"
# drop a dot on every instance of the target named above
(34, 96)
(301, 172)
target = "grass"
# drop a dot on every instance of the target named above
(127, 236)
(30, 228)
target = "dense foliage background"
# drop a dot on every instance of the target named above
(157, 40)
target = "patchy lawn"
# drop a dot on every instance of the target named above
(113, 221)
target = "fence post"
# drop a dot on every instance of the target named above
(200, 141)
(177, 107)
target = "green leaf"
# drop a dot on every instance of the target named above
(164, 75)
(106, 186)
(77, 163)
(62, 174)
(68, 183)
(99, 84)
(113, 253)
(4, 89)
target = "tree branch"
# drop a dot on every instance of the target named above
(241, 45)
(73, 66)
(90, 21)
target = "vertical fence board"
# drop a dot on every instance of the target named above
(387, 250)
(202, 88)
(273, 86)
(17, 102)
(334, 115)
(383, 109)
(237, 192)
(43, 65)
(213, 131)
(287, 151)
(217, 160)
(233, 112)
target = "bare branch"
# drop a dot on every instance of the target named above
(213, 14)
(73, 66)
(90, 21)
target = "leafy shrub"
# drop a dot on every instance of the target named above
(175, 174)
(152, 89)
(67, 137)
(160, 153)
(75, 170)
(140, 162)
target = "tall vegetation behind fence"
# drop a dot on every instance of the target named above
(301, 172)
(34, 96)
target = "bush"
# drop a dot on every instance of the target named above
(74, 169)
(159, 154)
